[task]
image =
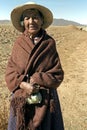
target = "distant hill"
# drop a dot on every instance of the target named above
(56, 22)
(62, 22)
(5, 21)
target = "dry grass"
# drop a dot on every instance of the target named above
(72, 47)
(7, 36)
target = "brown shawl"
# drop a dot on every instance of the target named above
(40, 61)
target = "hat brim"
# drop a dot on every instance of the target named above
(18, 11)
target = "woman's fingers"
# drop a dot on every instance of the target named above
(27, 87)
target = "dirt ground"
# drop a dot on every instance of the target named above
(72, 48)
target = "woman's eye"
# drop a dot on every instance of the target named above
(33, 17)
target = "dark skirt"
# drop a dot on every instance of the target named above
(52, 120)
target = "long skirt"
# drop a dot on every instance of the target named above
(52, 121)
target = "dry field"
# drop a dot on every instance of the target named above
(72, 48)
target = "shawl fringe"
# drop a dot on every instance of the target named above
(29, 117)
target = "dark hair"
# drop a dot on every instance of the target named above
(24, 15)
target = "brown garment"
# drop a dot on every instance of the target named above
(40, 61)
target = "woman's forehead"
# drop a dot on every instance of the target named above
(31, 12)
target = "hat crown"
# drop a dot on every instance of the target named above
(29, 3)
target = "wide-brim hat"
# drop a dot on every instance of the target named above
(18, 11)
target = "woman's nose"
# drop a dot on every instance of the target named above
(30, 20)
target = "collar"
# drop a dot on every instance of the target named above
(37, 37)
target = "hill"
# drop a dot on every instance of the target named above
(56, 22)
(5, 22)
(63, 22)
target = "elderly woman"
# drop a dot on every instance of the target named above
(34, 72)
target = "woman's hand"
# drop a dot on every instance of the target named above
(29, 88)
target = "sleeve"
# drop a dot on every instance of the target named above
(12, 77)
(14, 74)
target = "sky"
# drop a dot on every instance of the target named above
(74, 10)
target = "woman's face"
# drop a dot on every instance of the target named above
(32, 21)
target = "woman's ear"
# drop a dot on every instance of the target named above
(22, 23)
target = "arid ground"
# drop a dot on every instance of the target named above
(72, 47)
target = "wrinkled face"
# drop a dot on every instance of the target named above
(32, 21)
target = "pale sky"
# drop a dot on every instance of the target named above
(74, 10)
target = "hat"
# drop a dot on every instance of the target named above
(18, 11)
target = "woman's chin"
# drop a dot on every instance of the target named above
(33, 31)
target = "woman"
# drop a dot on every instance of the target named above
(34, 72)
